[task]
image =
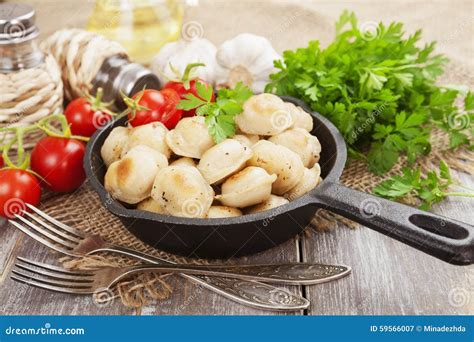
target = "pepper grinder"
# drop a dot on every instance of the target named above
(89, 61)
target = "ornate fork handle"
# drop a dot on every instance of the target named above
(250, 293)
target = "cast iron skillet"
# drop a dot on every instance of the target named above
(442, 237)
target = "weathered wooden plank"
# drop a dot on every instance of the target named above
(187, 298)
(389, 277)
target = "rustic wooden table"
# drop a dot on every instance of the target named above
(388, 277)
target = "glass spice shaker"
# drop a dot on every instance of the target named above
(18, 48)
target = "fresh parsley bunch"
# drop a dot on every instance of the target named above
(429, 189)
(378, 89)
(219, 114)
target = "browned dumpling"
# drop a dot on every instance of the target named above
(301, 142)
(223, 160)
(264, 114)
(182, 191)
(130, 179)
(190, 138)
(308, 182)
(272, 202)
(152, 135)
(220, 211)
(250, 186)
(151, 205)
(113, 145)
(278, 160)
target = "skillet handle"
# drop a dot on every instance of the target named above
(444, 238)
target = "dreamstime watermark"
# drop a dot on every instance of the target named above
(369, 30)
(369, 121)
(281, 119)
(192, 208)
(47, 329)
(14, 206)
(103, 297)
(458, 121)
(370, 207)
(459, 297)
(192, 30)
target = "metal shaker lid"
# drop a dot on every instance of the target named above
(17, 23)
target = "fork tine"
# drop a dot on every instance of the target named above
(52, 220)
(52, 281)
(57, 231)
(46, 233)
(34, 283)
(54, 268)
(43, 240)
(55, 275)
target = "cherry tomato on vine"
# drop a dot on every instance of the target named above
(182, 89)
(17, 187)
(59, 162)
(84, 118)
(155, 105)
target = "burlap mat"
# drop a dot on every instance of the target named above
(287, 26)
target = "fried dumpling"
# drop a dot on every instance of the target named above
(301, 118)
(264, 114)
(190, 137)
(250, 186)
(278, 160)
(184, 161)
(130, 179)
(219, 211)
(246, 139)
(223, 159)
(152, 135)
(150, 204)
(301, 142)
(113, 145)
(182, 191)
(308, 182)
(272, 202)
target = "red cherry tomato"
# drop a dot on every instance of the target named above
(161, 106)
(84, 120)
(180, 88)
(59, 162)
(17, 187)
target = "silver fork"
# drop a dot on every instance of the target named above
(70, 241)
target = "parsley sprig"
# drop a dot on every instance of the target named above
(221, 113)
(429, 189)
(379, 90)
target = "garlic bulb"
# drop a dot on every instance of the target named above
(311, 178)
(298, 140)
(152, 135)
(223, 160)
(219, 211)
(113, 145)
(190, 138)
(150, 204)
(130, 179)
(247, 58)
(182, 191)
(278, 160)
(170, 63)
(250, 186)
(264, 114)
(272, 202)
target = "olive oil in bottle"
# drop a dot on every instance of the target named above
(141, 26)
